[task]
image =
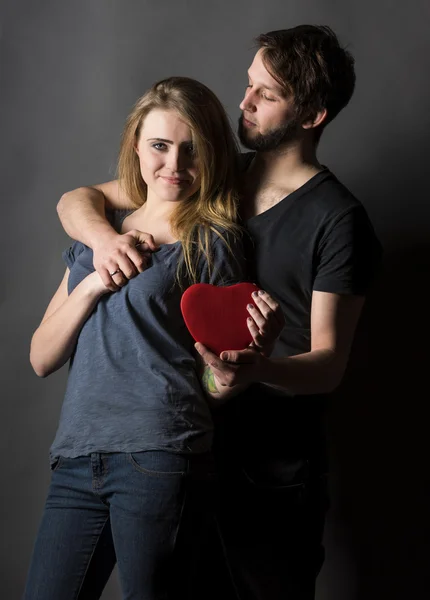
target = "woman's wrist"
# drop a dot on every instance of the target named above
(93, 286)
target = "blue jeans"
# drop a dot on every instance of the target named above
(106, 507)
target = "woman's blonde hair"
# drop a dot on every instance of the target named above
(213, 208)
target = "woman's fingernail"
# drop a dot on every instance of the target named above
(261, 292)
(250, 306)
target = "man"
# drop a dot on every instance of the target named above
(315, 251)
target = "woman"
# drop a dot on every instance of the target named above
(135, 425)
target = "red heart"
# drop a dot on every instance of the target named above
(216, 315)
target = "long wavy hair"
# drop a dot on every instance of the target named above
(214, 207)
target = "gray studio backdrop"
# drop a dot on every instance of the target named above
(70, 72)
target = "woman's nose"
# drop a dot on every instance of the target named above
(177, 160)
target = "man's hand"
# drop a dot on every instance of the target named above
(265, 323)
(120, 257)
(233, 367)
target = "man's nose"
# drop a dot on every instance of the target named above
(248, 102)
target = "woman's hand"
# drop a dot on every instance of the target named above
(266, 322)
(232, 369)
(94, 285)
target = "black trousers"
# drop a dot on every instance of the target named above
(268, 504)
(265, 539)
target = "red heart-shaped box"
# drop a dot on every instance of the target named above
(216, 315)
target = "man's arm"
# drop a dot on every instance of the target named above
(82, 213)
(334, 318)
(349, 257)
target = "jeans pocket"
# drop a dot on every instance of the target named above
(159, 463)
(277, 474)
(56, 463)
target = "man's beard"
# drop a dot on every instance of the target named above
(272, 140)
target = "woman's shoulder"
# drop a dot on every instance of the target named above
(223, 236)
(116, 217)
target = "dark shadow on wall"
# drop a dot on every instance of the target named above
(379, 429)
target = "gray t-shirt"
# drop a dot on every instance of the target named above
(132, 382)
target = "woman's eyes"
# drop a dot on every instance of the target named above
(161, 147)
(191, 150)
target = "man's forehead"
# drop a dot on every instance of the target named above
(260, 75)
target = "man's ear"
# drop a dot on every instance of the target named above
(316, 120)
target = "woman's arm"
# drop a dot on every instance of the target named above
(54, 340)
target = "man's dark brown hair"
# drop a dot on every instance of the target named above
(310, 65)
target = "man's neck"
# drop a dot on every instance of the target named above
(287, 168)
(274, 175)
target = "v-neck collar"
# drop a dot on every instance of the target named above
(290, 198)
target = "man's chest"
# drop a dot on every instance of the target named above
(256, 203)
(258, 197)
(283, 251)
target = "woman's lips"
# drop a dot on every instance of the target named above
(175, 180)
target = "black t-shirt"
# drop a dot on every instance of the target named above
(317, 238)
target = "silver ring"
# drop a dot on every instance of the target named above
(114, 272)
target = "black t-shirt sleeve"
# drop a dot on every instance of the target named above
(349, 255)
